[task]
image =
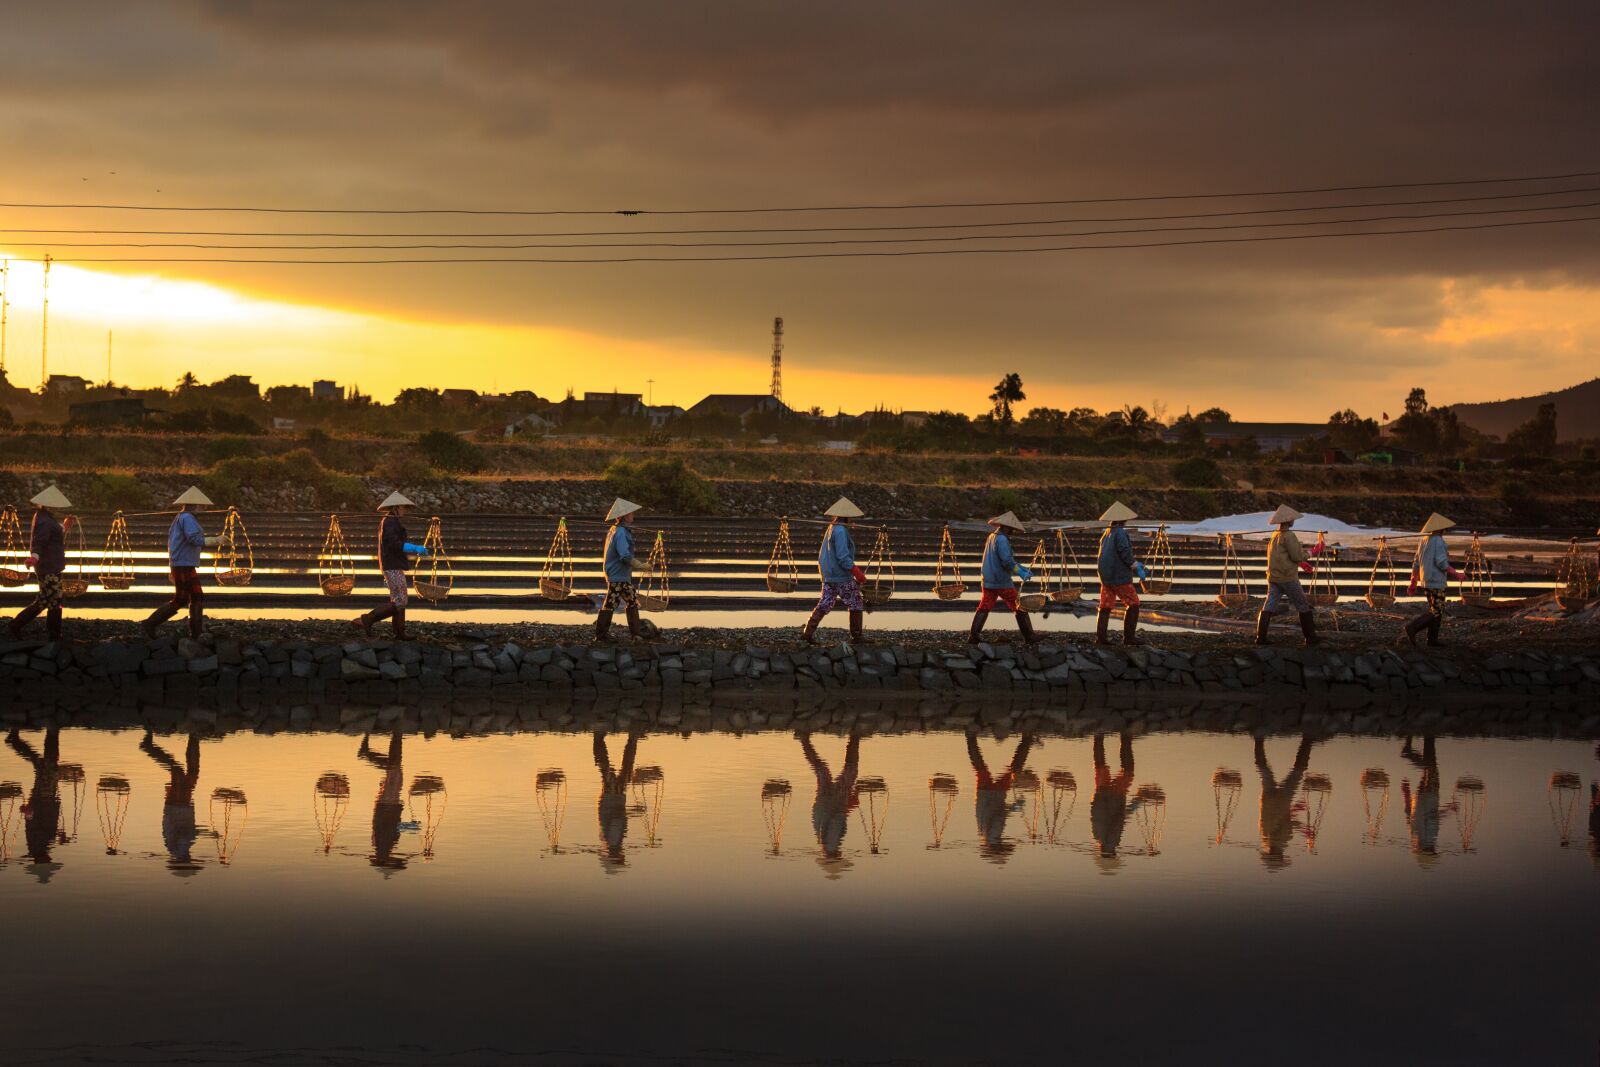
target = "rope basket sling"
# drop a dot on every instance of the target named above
(1562, 795)
(1314, 794)
(1233, 592)
(1374, 801)
(441, 574)
(1063, 799)
(1039, 564)
(1470, 799)
(1226, 787)
(942, 793)
(336, 572)
(1382, 587)
(782, 574)
(1324, 592)
(654, 591)
(555, 580)
(947, 583)
(1574, 585)
(111, 796)
(74, 585)
(550, 791)
(1151, 816)
(879, 586)
(330, 800)
(775, 796)
(1477, 582)
(235, 560)
(873, 795)
(116, 563)
(14, 562)
(1069, 585)
(1158, 564)
(229, 811)
(428, 792)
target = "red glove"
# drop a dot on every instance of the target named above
(1452, 572)
(1411, 590)
(859, 575)
(1316, 549)
(33, 561)
(1307, 568)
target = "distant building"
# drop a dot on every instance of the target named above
(326, 390)
(661, 414)
(286, 425)
(288, 394)
(459, 397)
(118, 411)
(1269, 436)
(913, 419)
(839, 446)
(740, 405)
(65, 384)
(529, 424)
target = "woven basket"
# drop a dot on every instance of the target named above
(337, 584)
(235, 576)
(74, 587)
(10, 577)
(1031, 602)
(776, 584)
(1067, 594)
(1158, 587)
(1473, 600)
(648, 602)
(1571, 603)
(876, 592)
(1380, 600)
(430, 591)
(117, 581)
(554, 590)
(1324, 600)
(1234, 600)
(950, 590)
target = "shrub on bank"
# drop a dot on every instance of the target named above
(1197, 472)
(669, 484)
(451, 453)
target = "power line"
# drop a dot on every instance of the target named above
(257, 209)
(833, 255)
(1006, 224)
(826, 241)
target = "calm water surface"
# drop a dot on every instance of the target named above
(659, 898)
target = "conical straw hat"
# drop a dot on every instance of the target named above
(51, 497)
(1435, 523)
(621, 507)
(192, 495)
(1284, 514)
(843, 509)
(1119, 512)
(1009, 519)
(396, 499)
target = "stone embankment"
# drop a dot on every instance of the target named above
(290, 679)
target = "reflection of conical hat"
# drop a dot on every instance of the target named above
(1284, 514)
(1008, 519)
(51, 497)
(621, 507)
(1119, 512)
(1435, 523)
(843, 509)
(396, 499)
(192, 495)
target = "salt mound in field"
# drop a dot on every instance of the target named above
(1256, 522)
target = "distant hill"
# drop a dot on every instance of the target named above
(1577, 412)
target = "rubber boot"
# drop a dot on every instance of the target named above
(1130, 624)
(397, 617)
(1025, 624)
(364, 623)
(1308, 627)
(1413, 627)
(1263, 623)
(1102, 619)
(979, 618)
(52, 623)
(602, 626)
(856, 634)
(1435, 622)
(157, 617)
(197, 621)
(808, 632)
(632, 613)
(24, 617)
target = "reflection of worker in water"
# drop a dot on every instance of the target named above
(41, 815)
(177, 816)
(1423, 812)
(1108, 809)
(613, 804)
(990, 805)
(1277, 822)
(388, 807)
(836, 799)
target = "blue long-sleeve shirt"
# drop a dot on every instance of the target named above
(998, 562)
(837, 557)
(391, 544)
(49, 543)
(619, 553)
(1116, 557)
(1433, 560)
(185, 539)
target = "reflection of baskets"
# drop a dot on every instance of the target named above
(432, 592)
(117, 581)
(950, 590)
(74, 587)
(235, 576)
(337, 584)
(1032, 602)
(1233, 600)
(10, 577)
(1157, 586)
(551, 589)
(647, 602)
(1067, 594)
(781, 585)
(876, 592)
(1380, 600)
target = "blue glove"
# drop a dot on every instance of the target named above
(1024, 573)
(416, 550)
(1138, 568)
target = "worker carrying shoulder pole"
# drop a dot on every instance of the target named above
(998, 566)
(1431, 571)
(47, 555)
(1117, 568)
(392, 551)
(841, 577)
(1286, 558)
(185, 540)
(619, 571)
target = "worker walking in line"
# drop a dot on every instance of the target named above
(185, 540)
(1286, 559)
(619, 571)
(392, 551)
(47, 555)
(998, 566)
(1117, 569)
(1431, 572)
(841, 577)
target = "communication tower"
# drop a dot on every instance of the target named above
(777, 357)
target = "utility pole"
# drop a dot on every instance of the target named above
(44, 335)
(651, 400)
(108, 359)
(5, 307)
(777, 358)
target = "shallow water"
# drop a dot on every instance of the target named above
(740, 898)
